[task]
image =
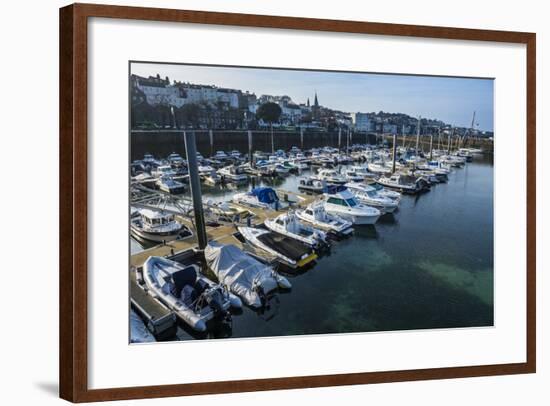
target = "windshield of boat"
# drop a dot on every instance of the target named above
(335, 200)
(351, 202)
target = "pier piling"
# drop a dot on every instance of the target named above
(195, 186)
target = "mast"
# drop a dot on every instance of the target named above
(417, 137)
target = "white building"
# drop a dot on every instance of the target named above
(361, 121)
(158, 91)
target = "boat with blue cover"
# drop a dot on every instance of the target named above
(260, 197)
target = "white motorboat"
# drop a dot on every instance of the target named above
(316, 215)
(205, 169)
(404, 183)
(220, 155)
(261, 197)
(379, 168)
(279, 169)
(288, 251)
(163, 170)
(243, 275)
(453, 160)
(341, 202)
(191, 296)
(176, 159)
(289, 224)
(368, 195)
(212, 178)
(312, 184)
(233, 173)
(169, 185)
(352, 175)
(298, 164)
(156, 226)
(331, 176)
(382, 191)
(465, 153)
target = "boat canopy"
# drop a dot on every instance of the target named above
(265, 195)
(243, 274)
(154, 214)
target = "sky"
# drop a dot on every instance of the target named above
(452, 100)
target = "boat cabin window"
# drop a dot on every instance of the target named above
(335, 200)
(309, 212)
(279, 221)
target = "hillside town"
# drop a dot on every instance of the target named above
(158, 103)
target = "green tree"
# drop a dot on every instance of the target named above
(270, 113)
(191, 114)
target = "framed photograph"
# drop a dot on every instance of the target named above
(254, 202)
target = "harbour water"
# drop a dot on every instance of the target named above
(428, 266)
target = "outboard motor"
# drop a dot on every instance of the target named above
(215, 301)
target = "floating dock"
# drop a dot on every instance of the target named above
(160, 320)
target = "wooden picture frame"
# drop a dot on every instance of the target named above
(73, 198)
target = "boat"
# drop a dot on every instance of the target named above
(288, 251)
(260, 197)
(205, 169)
(382, 191)
(341, 202)
(163, 170)
(194, 298)
(312, 184)
(279, 169)
(466, 154)
(157, 225)
(453, 160)
(331, 176)
(226, 211)
(212, 178)
(368, 195)
(169, 185)
(379, 168)
(220, 155)
(233, 173)
(242, 274)
(138, 331)
(176, 159)
(352, 175)
(288, 224)
(404, 183)
(316, 215)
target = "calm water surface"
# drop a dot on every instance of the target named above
(429, 265)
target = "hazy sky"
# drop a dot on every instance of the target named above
(452, 100)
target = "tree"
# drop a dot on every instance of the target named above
(270, 113)
(191, 115)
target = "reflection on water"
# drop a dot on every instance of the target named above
(429, 265)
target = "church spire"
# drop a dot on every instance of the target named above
(308, 101)
(316, 102)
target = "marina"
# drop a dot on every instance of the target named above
(405, 248)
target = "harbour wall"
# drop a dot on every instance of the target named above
(163, 143)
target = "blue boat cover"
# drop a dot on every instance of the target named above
(265, 194)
